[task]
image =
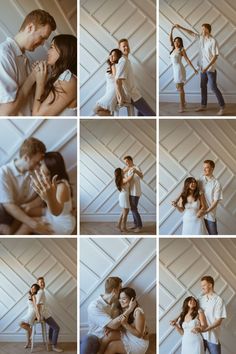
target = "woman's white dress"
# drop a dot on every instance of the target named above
(192, 343)
(30, 315)
(69, 112)
(109, 100)
(64, 223)
(192, 225)
(124, 197)
(133, 344)
(178, 68)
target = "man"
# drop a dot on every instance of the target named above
(15, 97)
(213, 194)
(215, 311)
(208, 55)
(16, 193)
(134, 191)
(125, 83)
(46, 315)
(100, 316)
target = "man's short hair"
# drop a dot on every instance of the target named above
(123, 40)
(40, 278)
(128, 157)
(208, 26)
(39, 18)
(209, 279)
(31, 147)
(211, 163)
(112, 283)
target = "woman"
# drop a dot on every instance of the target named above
(122, 184)
(56, 91)
(106, 105)
(189, 322)
(176, 55)
(33, 313)
(192, 204)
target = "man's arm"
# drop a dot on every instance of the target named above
(212, 206)
(139, 173)
(210, 64)
(191, 33)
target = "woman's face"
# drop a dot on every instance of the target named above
(33, 290)
(44, 169)
(53, 54)
(192, 185)
(192, 303)
(113, 57)
(177, 43)
(124, 300)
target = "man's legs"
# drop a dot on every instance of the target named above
(89, 345)
(53, 330)
(204, 80)
(211, 227)
(6, 221)
(212, 348)
(134, 208)
(143, 108)
(212, 81)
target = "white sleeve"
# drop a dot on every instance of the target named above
(8, 82)
(99, 317)
(220, 309)
(39, 296)
(6, 195)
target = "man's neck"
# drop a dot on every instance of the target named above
(19, 166)
(209, 177)
(107, 298)
(20, 41)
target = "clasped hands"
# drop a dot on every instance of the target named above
(44, 186)
(40, 71)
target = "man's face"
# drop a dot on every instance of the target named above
(208, 170)
(205, 31)
(206, 287)
(36, 37)
(41, 283)
(116, 291)
(128, 162)
(124, 47)
(33, 162)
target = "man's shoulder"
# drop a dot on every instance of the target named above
(7, 49)
(6, 169)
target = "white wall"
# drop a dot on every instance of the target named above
(192, 14)
(12, 14)
(182, 264)
(131, 259)
(103, 144)
(183, 146)
(103, 23)
(62, 138)
(22, 261)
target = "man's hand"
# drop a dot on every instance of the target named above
(196, 330)
(43, 229)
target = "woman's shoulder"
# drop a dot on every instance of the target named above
(138, 311)
(67, 75)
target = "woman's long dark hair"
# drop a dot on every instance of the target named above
(185, 193)
(119, 178)
(119, 55)
(37, 289)
(66, 44)
(130, 292)
(181, 44)
(185, 309)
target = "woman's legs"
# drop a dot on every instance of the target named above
(120, 221)
(124, 219)
(112, 336)
(28, 330)
(115, 347)
(181, 97)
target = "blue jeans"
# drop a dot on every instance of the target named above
(53, 330)
(134, 208)
(211, 227)
(211, 76)
(143, 108)
(89, 345)
(212, 348)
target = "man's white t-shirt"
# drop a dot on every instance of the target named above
(212, 191)
(15, 186)
(14, 69)
(214, 308)
(208, 49)
(41, 300)
(124, 71)
(99, 315)
(134, 184)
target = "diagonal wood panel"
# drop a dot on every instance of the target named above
(104, 257)
(184, 145)
(102, 149)
(102, 24)
(22, 261)
(191, 14)
(182, 264)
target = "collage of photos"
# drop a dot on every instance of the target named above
(118, 198)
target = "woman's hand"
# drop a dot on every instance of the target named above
(174, 203)
(132, 304)
(195, 71)
(41, 72)
(45, 188)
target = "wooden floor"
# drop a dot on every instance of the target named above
(152, 344)
(171, 109)
(18, 348)
(109, 228)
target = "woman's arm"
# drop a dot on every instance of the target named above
(37, 309)
(194, 34)
(127, 179)
(171, 36)
(179, 329)
(139, 324)
(178, 204)
(188, 60)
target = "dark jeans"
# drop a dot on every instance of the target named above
(5, 218)
(211, 76)
(134, 208)
(143, 108)
(212, 348)
(89, 345)
(53, 330)
(211, 227)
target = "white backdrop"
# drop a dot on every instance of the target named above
(131, 259)
(183, 146)
(102, 24)
(192, 14)
(182, 264)
(22, 261)
(103, 145)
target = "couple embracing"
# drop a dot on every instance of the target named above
(44, 88)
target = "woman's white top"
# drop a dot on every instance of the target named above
(66, 76)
